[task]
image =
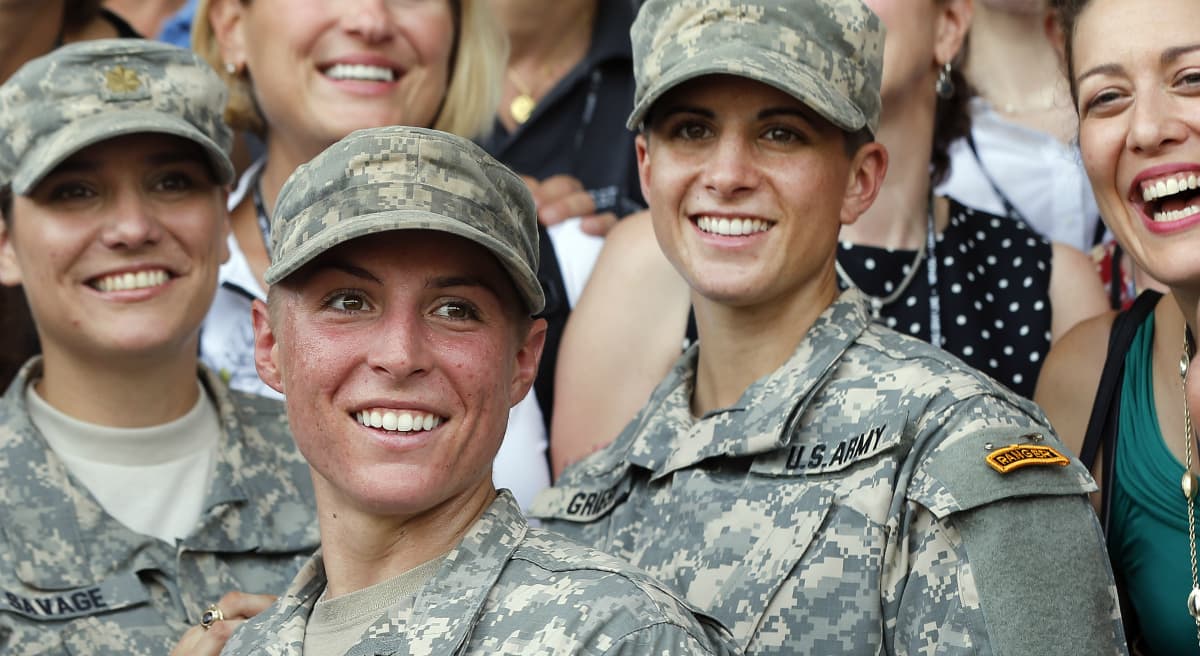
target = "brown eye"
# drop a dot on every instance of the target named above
(348, 302)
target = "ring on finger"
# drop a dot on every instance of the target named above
(211, 616)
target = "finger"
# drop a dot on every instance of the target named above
(579, 203)
(557, 186)
(598, 224)
(236, 604)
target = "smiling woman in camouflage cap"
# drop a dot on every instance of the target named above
(819, 483)
(137, 489)
(399, 328)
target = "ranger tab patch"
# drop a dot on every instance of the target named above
(1016, 456)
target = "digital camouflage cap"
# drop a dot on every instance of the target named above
(88, 92)
(826, 53)
(404, 178)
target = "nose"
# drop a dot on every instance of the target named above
(1154, 123)
(370, 20)
(399, 347)
(131, 222)
(730, 170)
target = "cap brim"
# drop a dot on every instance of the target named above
(524, 279)
(102, 127)
(790, 76)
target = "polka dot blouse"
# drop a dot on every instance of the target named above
(993, 284)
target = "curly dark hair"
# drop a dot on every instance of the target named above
(78, 13)
(951, 120)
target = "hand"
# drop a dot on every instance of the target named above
(237, 607)
(562, 197)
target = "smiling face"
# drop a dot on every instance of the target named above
(321, 70)
(748, 189)
(118, 249)
(1139, 130)
(400, 355)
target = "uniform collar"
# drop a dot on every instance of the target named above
(450, 602)
(62, 538)
(668, 438)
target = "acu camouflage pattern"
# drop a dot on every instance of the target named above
(88, 92)
(505, 588)
(844, 506)
(404, 178)
(96, 587)
(826, 53)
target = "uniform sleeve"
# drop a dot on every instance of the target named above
(1025, 575)
(992, 562)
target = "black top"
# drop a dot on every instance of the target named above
(993, 277)
(578, 128)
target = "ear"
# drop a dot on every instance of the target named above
(266, 347)
(643, 162)
(528, 356)
(867, 170)
(227, 18)
(953, 23)
(10, 269)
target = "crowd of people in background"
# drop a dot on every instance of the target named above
(791, 326)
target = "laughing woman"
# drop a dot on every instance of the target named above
(1138, 99)
(137, 488)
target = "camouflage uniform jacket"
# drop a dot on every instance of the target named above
(74, 580)
(844, 506)
(505, 588)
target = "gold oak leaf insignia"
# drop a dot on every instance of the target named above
(122, 80)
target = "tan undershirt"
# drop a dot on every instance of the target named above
(336, 625)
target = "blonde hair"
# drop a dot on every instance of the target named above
(472, 95)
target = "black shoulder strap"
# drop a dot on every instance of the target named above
(1124, 327)
(1102, 425)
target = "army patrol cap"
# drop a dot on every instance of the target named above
(404, 178)
(88, 92)
(827, 54)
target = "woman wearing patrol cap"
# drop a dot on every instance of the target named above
(137, 488)
(816, 481)
(303, 75)
(399, 326)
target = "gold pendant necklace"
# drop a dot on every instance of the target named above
(1188, 485)
(521, 107)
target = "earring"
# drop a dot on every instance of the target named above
(231, 68)
(945, 85)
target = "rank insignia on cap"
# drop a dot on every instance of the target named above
(119, 79)
(1016, 456)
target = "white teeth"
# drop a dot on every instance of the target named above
(126, 281)
(732, 227)
(391, 420)
(1168, 187)
(360, 72)
(1175, 215)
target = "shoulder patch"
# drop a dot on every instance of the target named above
(1015, 456)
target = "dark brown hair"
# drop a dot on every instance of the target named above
(1067, 12)
(951, 120)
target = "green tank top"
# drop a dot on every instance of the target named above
(1147, 538)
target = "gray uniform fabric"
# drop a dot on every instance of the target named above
(844, 506)
(404, 178)
(73, 580)
(88, 92)
(826, 53)
(505, 588)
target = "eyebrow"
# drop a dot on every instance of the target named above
(764, 114)
(448, 282)
(354, 271)
(85, 165)
(1168, 56)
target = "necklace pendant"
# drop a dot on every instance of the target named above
(1194, 603)
(1183, 365)
(876, 308)
(522, 107)
(1188, 485)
